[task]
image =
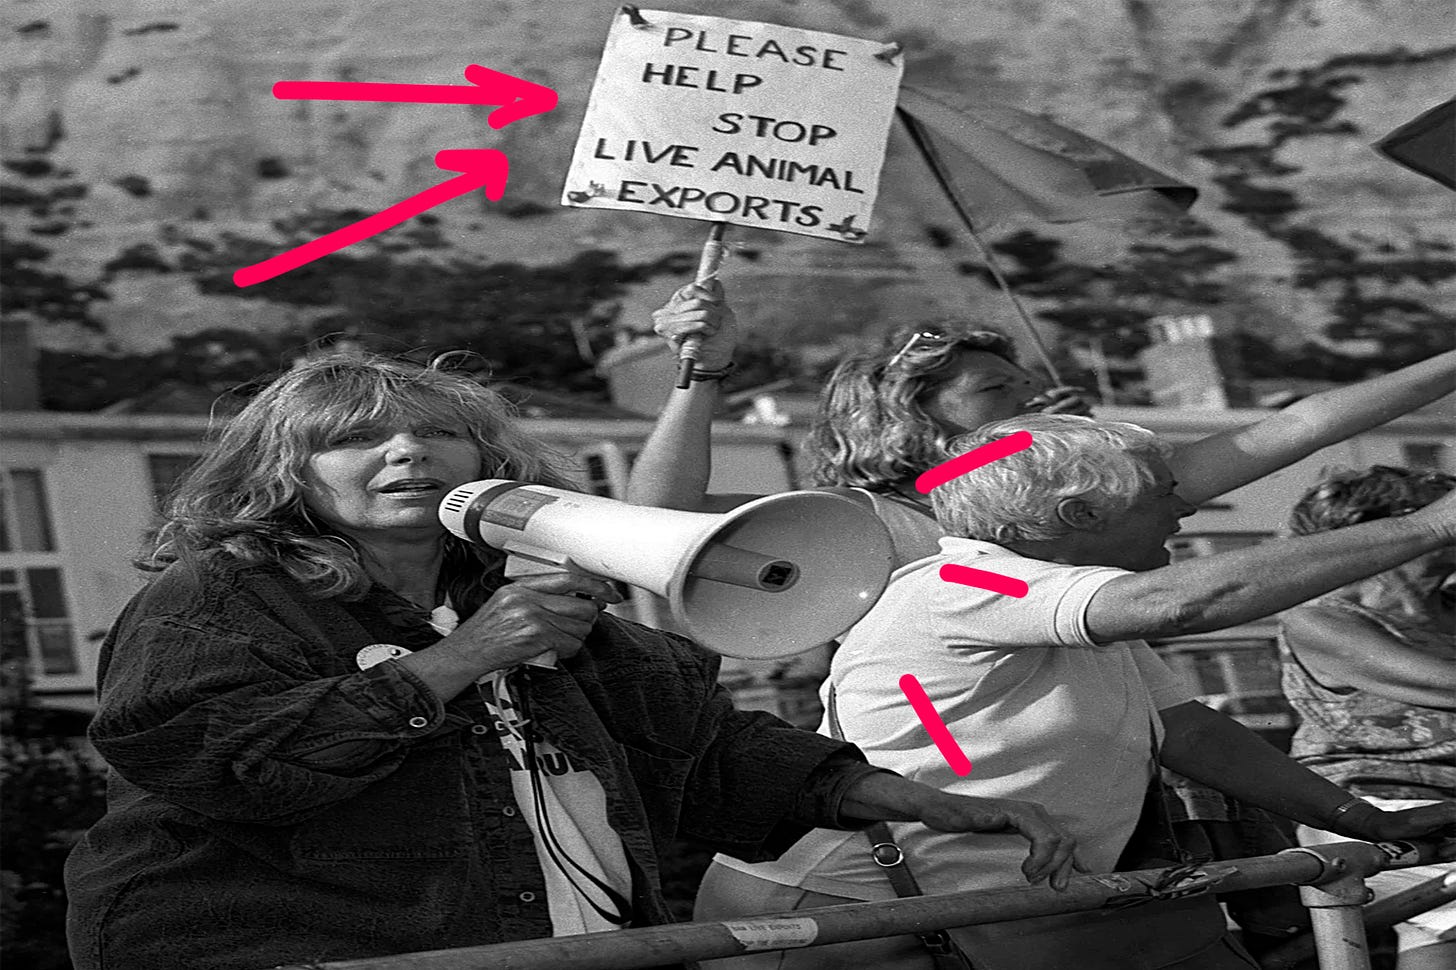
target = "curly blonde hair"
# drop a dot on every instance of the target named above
(245, 497)
(871, 430)
(1346, 497)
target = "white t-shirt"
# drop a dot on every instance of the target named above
(588, 882)
(583, 862)
(1044, 714)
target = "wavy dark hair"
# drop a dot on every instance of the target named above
(871, 430)
(245, 496)
(1348, 497)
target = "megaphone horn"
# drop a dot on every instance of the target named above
(771, 578)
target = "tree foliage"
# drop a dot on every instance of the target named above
(50, 793)
(1376, 290)
(44, 199)
(405, 291)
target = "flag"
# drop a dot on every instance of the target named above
(1003, 164)
(1426, 144)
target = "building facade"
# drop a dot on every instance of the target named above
(80, 496)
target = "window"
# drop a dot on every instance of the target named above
(35, 625)
(24, 517)
(605, 468)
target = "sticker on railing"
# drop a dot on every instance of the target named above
(779, 934)
(1399, 853)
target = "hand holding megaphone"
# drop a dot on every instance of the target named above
(771, 578)
(536, 615)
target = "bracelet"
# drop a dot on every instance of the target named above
(716, 374)
(1334, 817)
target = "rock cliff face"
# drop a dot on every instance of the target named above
(141, 137)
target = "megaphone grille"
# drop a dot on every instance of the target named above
(457, 500)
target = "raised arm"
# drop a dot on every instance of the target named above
(1223, 462)
(1214, 592)
(1341, 649)
(675, 463)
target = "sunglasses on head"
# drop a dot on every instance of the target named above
(939, 340)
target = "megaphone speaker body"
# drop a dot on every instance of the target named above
(771, 578)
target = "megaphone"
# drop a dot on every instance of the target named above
(771, 578)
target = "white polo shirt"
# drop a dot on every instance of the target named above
(1044, 714)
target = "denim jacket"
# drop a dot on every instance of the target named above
(269, 802)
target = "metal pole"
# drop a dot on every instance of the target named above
(1339, 930)
(1379, 915)
(675, 943)
(1341, 865)
(942, 176)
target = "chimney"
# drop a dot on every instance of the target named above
(1191, 364)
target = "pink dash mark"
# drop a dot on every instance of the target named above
(971, 460)
(518, 98)
(962, 465)
(480, 167)
(983, 579)
(939, 733)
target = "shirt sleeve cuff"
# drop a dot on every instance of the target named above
(821, 802)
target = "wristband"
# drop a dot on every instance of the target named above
(716, 374)
(1334, 817)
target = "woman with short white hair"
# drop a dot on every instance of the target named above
(1057, 699)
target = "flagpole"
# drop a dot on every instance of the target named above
(708, 264)
(937, 168)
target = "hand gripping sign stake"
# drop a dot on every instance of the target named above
(708, 264)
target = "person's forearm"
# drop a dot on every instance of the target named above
(1214, 592)
(675, 463)
(883, 797)
(1335, 415)
(1221, 463)
(1212, 748)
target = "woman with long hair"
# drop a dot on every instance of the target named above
(331, 735)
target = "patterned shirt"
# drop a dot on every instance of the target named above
(1368, 744)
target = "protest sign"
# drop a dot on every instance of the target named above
(736, 121)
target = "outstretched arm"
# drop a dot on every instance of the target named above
(1214, 592)
(676, 461)
(1223, 462)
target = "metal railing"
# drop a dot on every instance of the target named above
(1331, 877)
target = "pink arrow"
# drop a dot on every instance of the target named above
(934, 726)
(518, 98)
(971, 460)
(480, 167)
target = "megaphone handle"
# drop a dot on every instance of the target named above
(708, 263)
(525, 564)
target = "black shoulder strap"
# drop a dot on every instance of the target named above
(883, 849)
(888, 855)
